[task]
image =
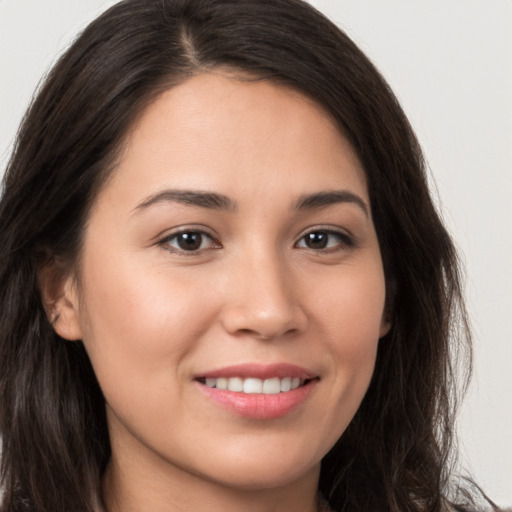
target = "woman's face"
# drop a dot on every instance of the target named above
(233, 247)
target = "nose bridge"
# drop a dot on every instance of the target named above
(264, 301)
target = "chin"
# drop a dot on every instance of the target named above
(258, 474)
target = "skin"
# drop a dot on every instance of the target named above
(153, 316)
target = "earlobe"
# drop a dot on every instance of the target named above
(60, 299)
(386, 322)
(67, 319)
(385, 327)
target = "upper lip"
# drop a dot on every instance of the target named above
(260, 371)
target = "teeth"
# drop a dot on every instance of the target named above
(271, 386)
(235, 384)
(252, 385)
(222, 383)
(286, 384)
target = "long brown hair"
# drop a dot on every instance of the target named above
(395, 455)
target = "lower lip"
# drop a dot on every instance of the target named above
(258, 405)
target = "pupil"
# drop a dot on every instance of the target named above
(189, 241)
(317, 240)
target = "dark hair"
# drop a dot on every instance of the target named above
(395, 454)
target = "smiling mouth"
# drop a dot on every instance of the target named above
(259, 392)
(252, 385)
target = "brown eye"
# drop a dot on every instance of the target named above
(321, 240)
(188, 241)
(317, 240)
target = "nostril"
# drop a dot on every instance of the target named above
(266, 335)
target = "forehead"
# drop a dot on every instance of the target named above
(219, 132)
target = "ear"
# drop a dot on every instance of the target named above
(389, 306)
(60, 299)
(385, 326)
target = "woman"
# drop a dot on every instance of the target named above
(223, 282)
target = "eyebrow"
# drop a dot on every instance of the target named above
(329, 197)
(209, 200)
(215, 201)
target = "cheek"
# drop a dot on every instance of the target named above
(350, 316)
(352, 305)
(135, 322)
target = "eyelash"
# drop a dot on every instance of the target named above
(345, 241)
(166, 242)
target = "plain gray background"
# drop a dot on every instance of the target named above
(450, 64)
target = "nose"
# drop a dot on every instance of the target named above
(263, 300)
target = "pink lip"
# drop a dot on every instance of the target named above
(259, 406)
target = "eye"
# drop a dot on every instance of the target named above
(189, 241)
(325, 240)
